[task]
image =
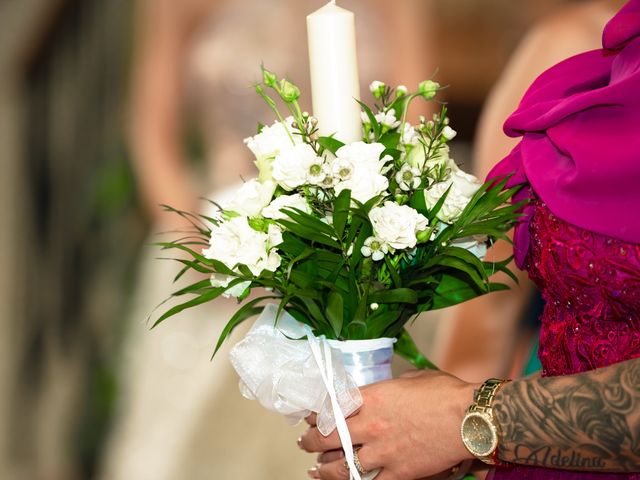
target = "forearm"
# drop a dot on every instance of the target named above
(588, 421)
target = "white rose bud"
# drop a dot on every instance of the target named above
(377, 88)
(428, 89)
(449, 133)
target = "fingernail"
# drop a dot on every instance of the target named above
(313, 472)
(299, 442)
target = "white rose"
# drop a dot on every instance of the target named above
(275, 235)
(397, 225)
(464, 182)
(272, 139)
(364, 154)
(463, 187)
(291, 167)
(251, 198)
(269, 143)
(221, 280)
(364, 185)
(234, 243)
(272, 262)
(365, 178)
(296, 201)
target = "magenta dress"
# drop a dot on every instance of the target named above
(591, 284)
(579, 163)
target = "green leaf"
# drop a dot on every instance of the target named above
(248, 310)
(341, 209)
(372, 119)
(453, 290)
(407, 349)
(418, 202)
(396, 295)
(178, 246)
(380, 321)
(309, 221)
(334, 311)
(390, 140)
(356, 330)
(330, 143)
(309, 233)
(194, 287)
(199, 300)
(393, 272)
(312, 315)
(393, 152)
(431, 215)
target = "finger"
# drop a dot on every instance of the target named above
(333, 471)
(313, 441)
(337, 470)
(367, 458)
(331, 456)
(312, 419)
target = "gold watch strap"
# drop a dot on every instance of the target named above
(483, 398)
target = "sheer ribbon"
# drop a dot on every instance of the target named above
(295, 378)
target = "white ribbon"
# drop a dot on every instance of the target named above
(326, 370)
(294, 378)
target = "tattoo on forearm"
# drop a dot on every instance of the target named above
(589, 421)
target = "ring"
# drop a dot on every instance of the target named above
(356, 462)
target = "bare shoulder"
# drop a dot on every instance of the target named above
(574, 28)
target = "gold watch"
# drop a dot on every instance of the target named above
(480, 430)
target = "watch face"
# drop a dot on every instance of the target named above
(479, 434)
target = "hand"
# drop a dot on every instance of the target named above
(409, 427)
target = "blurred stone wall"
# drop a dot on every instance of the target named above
(71, 228)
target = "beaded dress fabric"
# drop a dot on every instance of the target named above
(591, 285)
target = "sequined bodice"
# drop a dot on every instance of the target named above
(591, 285)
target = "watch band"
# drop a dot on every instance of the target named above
(483, 398)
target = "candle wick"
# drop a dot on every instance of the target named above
(332, 2)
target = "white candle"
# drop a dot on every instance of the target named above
(334, 72)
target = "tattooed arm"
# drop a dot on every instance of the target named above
(588, 421)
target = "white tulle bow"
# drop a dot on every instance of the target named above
(295, 377)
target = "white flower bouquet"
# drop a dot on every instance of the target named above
(352, 240)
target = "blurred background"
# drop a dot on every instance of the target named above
(108, 108)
